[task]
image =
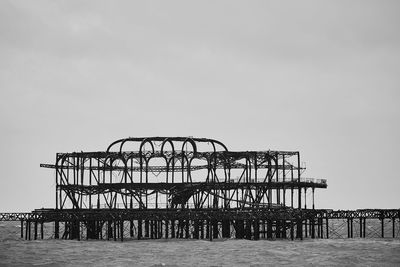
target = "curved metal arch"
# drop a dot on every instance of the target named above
(167, 140)
(114, 143)
(191, 141)
(212, 141)
(146, 140)
(180, 139)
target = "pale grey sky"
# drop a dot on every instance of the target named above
(321, 77)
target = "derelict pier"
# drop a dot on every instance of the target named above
(184, 187)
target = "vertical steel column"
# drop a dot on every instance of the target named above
(352, 235)
(202, 229)
(284, 179)
(26, 229)
(318, 228)
(394, 227)
(348, 227)
(263, 229)
(291, 229)
(305, 228)
(41, 230)
(278, 197)
(312, 227)
(327, 227)
(226, 228)
(209, 230)
(166, 228)
(215, 229)
(29, 231)
(322, 227)
(90, 181)
(172, 228)
(313, 200)
(131, 228)
(115, 230)
(305, 197)
(36, 229)
(256, 229)
(22, 228)
(292, 188)
(364, 227)
(187, 224)
(269, 229)
(121, 224)
(57, 158)
(298, 181)
(361, 228)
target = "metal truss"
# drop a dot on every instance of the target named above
(170, 172)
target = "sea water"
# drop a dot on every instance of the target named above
(178, 252)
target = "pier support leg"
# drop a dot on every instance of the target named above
(22, 229)
(166, 229)
(121, 225)
(131, 228)
(364, 226)
(248, 230)
(226, 231)
(256, 229)
(187, 233)
(109, 230)
(269, 229)
(305, 228)
(312, 226)
(139, 230)
(172, 228)
(394, 227)
(327, 227)
(322, 227)
(361, 228)
(201, 229)
(146, 229)
(348, 228)
(215, 229)
(29, 231)
(209, 230)
(239, 229)
(160, 229)
(35, 230)
(278, 229)
(115, 230)
(351, 228)
(291, 230)
(263, 229)
(299, 229)
(196, 229)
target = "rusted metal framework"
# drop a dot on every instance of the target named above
(184, 187)
(171, 172)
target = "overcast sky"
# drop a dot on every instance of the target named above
(319, 77)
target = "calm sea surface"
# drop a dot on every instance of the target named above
(229, 252)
